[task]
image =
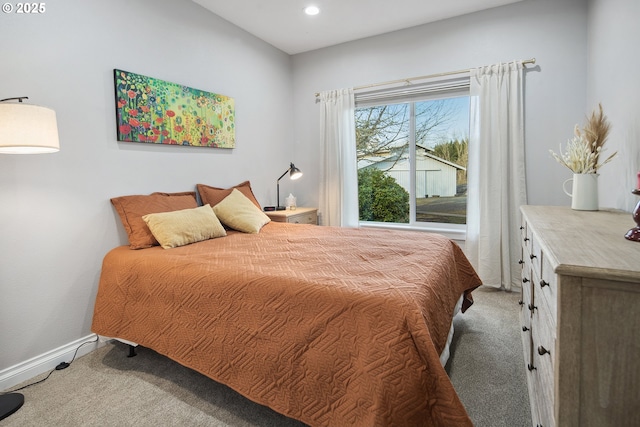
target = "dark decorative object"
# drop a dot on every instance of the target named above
(634, 233)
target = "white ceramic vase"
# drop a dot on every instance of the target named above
(584, 191)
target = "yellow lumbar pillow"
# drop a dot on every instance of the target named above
(179, 228)
(238, 212)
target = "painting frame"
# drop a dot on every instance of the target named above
(154, 111)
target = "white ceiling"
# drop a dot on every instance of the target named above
(283, 24)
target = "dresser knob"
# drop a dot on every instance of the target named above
(530, 367)
(526, 239)
(525, 280)
(521, 262)
(532, 307)
(522, 227)
(525, 329)
(542, 351)
(521, 302)
(543, 283)
(532, 256)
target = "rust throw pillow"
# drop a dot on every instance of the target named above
(214, 195)
(131, 209)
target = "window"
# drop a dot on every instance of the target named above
(412, 155)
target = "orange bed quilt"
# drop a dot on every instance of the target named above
(331, 326)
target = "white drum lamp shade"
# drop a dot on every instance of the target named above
(27, 129)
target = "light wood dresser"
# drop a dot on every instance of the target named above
(580, 315)
(296, 216)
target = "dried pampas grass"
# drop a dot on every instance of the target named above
(597, 130)
(584, 149)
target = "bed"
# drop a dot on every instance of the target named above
(327, 325)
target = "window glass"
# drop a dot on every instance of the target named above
(442, 138)
(382, 138)
(412, 159)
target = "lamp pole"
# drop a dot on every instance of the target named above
(24, 129)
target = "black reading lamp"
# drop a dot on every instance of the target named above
(24, 129)
(294, 173)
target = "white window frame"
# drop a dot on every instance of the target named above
(434, 89)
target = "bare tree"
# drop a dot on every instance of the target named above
(433, 119)
(383, 131)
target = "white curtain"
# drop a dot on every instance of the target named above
(496, 173)
(338, 165)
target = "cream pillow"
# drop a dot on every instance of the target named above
(238, 212)
(179, 228)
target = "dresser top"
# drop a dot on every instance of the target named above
(586, 243)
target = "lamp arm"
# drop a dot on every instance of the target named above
(291, 168)
(19, 98)
(282, 176)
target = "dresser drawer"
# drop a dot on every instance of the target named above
(525, 325)
(526, 236)
(547, 289)
(526, 301)
(543, 343)
(297, 216)
(544, 336)
(304, 218)
(542, 378)
(532, 383)
(535, 255)
(523, 229)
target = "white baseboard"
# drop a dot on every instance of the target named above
(45, 362)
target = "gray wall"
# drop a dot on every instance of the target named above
(554, 32)
(56, 221)
(614, 61)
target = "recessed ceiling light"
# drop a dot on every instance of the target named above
(311, 10)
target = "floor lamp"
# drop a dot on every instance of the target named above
(24, 129)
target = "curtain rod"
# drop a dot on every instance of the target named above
(408, 80)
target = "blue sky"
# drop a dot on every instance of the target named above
(458, 127)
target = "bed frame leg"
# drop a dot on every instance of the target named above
(132, 351)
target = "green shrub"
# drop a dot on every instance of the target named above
(381, 198)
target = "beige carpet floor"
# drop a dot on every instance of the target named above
(105, 388)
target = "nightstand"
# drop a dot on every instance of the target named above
(296, 216)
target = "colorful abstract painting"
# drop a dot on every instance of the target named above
(158, 112)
